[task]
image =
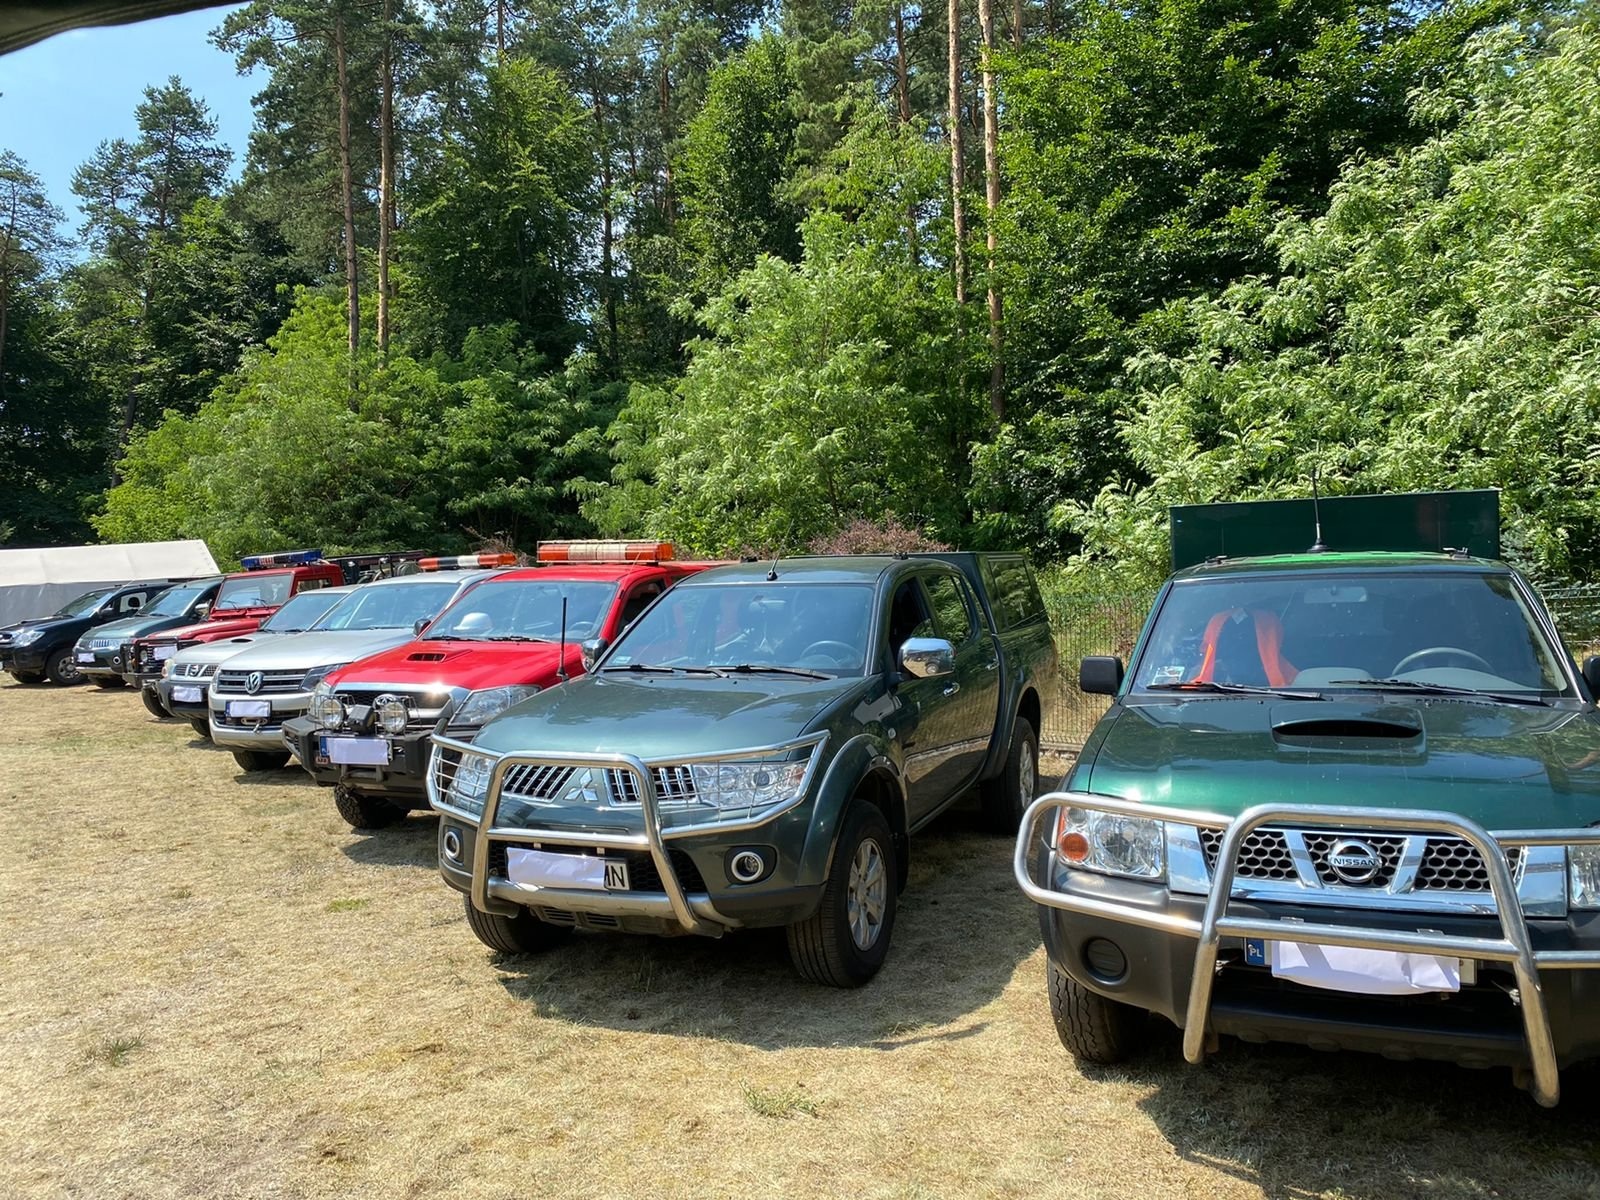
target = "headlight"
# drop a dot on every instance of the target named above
(470, 784)
(1111, 843)
(392, 714)
(1583, 876)
(481, 705)
(326, 709)
(317, 674)
(166, 668)
(745, 784)
(27, 637)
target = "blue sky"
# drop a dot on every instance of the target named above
(62, 97)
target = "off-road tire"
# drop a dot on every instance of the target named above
(28, 676)
(1093, 1028)
(201, 726)
(261, 760)
(1002, 797)
(361, 811)
(152, 704)
(821, 947)
(520, 934)
(116, 681)
(60, 669)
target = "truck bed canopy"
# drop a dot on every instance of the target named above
(36, 582)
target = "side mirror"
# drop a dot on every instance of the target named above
(591, 650)
(420, 624)
(1591, 675)
(1100, 675)
(927, 658)
(202, 610)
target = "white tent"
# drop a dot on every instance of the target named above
(34, 583)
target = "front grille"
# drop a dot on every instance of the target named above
(424, 710)
(642, 873)
(1452, 865)
(101, 643)
(272, 682)
(534, 783)
(674, 786)
(1264, 855)
(541, 784)
(192, 670)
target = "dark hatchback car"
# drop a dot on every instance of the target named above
(41, 648)
(1346, 798)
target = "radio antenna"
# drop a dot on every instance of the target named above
(561, 660)
(1318, 546)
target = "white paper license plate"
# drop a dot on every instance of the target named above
(162, 652)
(541, 868)
(186, 695)
(1367, 972)
(355, 751)
(249, 708)
(85, 656)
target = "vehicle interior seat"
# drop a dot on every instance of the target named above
(1244, 646)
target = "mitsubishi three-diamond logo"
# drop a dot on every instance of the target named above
(585, 787)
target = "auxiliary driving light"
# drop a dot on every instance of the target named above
(747, 866)
(452, 845)
(392, 714)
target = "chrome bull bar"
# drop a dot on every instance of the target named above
(1514, 946)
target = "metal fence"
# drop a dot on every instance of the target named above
(1087, 625)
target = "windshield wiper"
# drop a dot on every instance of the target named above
(1440, 689)
(761, 669)
(1229, 689)
(450, 637)
(641, 668)
(514, 637)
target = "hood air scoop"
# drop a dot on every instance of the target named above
(1363, 725)
(425, 656)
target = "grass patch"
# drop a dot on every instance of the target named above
(343, 906)
(779, 1104)
(114, 1051)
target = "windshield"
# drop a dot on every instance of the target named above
(1456, 630)
(173, 602)
(266, 589)
(390, 605)
(302, 611)
(527, 608)
(83, 605)
(818, 627)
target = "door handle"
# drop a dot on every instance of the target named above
(953, 688)
(991, 664)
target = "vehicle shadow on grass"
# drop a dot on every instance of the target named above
(1296, 1122)
(414, 842)
(961, 931)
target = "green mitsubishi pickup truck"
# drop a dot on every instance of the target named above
(1344, 797)
(755, 750)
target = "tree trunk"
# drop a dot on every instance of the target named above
(991, 172)
(385, 177)
(1016, 24)
(607, 232)
(6, 245)
(958, 211)
(499, 32)
(347, 182)
(902, 89)
(664, 91)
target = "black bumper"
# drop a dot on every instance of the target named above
(1480, 1025)
(25, 659)
(405, 775)
(200, 708)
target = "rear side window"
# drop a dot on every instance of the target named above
(1013, 593)
(950, 608)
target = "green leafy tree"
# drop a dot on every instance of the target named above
(1439, 327)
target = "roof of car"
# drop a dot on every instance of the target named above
(821, 568)
(604, 572)
(1328, 560)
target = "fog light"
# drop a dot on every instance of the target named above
(392, 714)
(747, 866)
(1105, 960)
(452, 845)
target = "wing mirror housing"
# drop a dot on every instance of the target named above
(591, 650)
(1591, 675)
(1100, 675)
(927, 658)
(420, 624)
(202, 610)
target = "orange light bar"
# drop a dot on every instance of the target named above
(467, 562)
(605, 552)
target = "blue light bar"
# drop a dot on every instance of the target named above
(285, 558)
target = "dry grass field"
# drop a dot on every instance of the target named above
(209, 987)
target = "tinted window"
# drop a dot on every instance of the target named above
(265, 590)
(84, 604)
(175, 601)
(1013, 593)
(909, 615)
(816, 626)
(527, 608)
(302, 611)
(390, 606)
(950, 608)
(132, 602)
(1457, 628)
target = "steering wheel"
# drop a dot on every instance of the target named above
(839, 652)
(1416, 656)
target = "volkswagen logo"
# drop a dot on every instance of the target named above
(252, 682)
(1354, 861)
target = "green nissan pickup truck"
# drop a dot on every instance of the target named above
(755, 750)
(1344, 797)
